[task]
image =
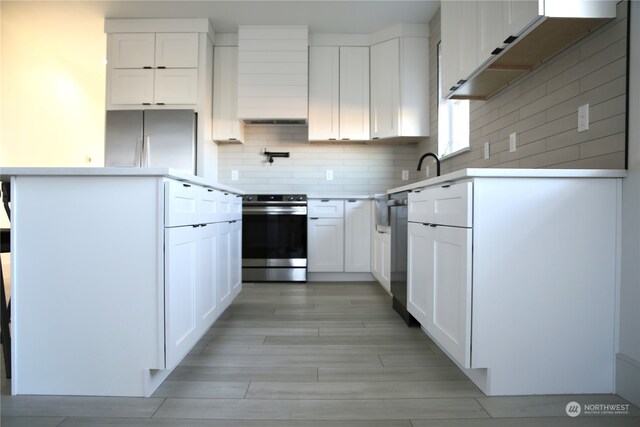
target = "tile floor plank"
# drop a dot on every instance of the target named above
(407, 348)
(202, 389)
(63, 406)
(391, 374)
(241, 374)
(313, 360)
(30, 421)
(157, 422)
(374, 409)
(363, 390)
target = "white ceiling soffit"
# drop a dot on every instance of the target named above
(322, 16)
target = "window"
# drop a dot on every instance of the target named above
(453, 120)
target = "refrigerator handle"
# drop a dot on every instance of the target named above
(146, 152)
(137, 160)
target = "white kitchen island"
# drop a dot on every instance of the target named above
(514, 273)
(116, 274)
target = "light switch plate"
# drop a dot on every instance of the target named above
(486, 150)
(234, 175)
(329, 175)
(583, 118)
(405, 175)
(512, 142)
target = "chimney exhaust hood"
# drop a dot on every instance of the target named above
(273, 74)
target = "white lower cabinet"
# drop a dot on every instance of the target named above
(180, 293)
(381, 262)
(502, 272)
(439, 271)
(202, 272)
(129, 309)
(339, 236)
(325, 244)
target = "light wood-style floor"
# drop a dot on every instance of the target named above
(315, 355)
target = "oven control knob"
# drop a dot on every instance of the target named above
(291, 198)
(249, 198)
(300, 198)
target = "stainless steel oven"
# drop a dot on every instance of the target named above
(274, 238)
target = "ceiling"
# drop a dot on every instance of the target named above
(325, 16)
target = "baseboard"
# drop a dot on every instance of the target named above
(628, 378)
(340, 277)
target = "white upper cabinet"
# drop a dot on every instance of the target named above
(338, 93)
(486, 44)
(354, 93)
(176, 50)
(489, 28)
(517, 15)
(324, 93)
(400, 88)
(135, 50)
(385, 88)
(226, 125)
(153, 69)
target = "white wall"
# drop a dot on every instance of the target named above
(628, 358)
(53, 84)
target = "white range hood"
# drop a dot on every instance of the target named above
(273, 74)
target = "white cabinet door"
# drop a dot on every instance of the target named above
(385, 89)
(176, 86)
(235, 258)
(226, 125)
(206, 261)
(385, 262)
(354, 93)
(132, 50)
(325, 240)
(517, 15)
(131, 86)
(489, 29)
(181, 277)
(382, 259)
(449, 45)
(176, 50)
(223, 231)
(468, 49)
(357, 236)
(439, 281)
(324, 93)
(419, 266)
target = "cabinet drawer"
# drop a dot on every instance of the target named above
(208, 205)
(218, 206)
(326, 208)
(181, 204)
(448, 204)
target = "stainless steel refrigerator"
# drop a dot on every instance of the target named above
(151, 138)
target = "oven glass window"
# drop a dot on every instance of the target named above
(274, 236)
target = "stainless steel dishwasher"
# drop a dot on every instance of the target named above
(398, 221)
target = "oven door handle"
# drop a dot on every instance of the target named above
(274, 210)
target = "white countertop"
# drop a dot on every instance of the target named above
(5, 173)
(513, 173)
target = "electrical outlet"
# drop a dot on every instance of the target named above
(583, 118)
(427, 170)
(405, 175)
(512, 142)
(486, 150)
(234, 175)
(329, 175)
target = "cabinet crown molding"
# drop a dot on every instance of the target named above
(158, 25)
